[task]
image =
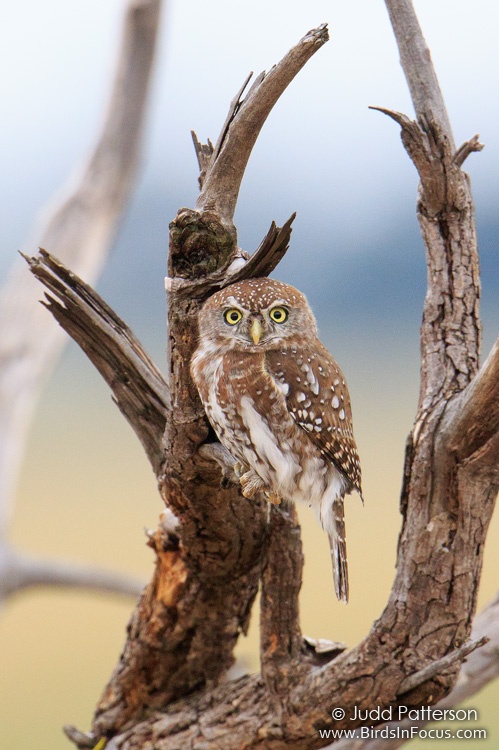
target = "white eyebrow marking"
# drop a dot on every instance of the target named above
(232, 301)
(276, 303)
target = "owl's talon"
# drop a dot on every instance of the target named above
(250, 484)
(248, 493)
(273, 498)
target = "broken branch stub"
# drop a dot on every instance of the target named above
(263, 261)
(138, 387)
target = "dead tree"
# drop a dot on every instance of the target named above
(214, 547)
(80, 229)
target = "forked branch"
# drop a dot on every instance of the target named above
(224, 167)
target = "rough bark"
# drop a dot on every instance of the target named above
(478, 669)
(214, 545)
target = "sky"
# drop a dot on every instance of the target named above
(356, 252)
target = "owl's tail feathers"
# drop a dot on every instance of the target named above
(333, 521)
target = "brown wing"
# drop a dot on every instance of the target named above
(318, 400)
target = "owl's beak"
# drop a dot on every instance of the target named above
(256, 330)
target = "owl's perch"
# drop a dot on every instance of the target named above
(281, 641)
(184, 629)
(216, 599)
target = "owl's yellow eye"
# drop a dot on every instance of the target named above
(279, 314)
(232, 316)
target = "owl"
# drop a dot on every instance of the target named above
(279, 404)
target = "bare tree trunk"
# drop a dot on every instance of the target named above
(213, 545)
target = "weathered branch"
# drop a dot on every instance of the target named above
(280, 634)
(269, 253)
(432, 670)
(80, 231)
(416, 62)
(20, 572)
(139, 389)
(467, 148)
(478, 670)
(450, 332)
(205, 152)
(198, 603)
(224, 173)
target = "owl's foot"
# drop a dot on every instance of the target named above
(250, 483)
(216, 452)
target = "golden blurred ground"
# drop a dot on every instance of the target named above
(87, 493)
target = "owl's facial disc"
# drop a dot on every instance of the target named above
(252, 327)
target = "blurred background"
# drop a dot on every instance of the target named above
(87, 491)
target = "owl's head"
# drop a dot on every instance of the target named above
(256, 314)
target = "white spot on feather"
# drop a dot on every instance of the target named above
(283, 386)
(314, 385)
